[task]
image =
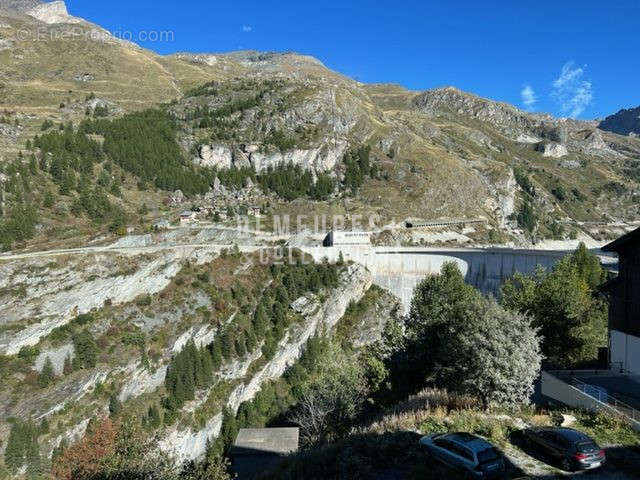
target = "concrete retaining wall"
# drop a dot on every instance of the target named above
(562, 392)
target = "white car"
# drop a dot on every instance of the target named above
(469, 454)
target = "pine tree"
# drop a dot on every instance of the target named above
(44, 426)
(47, 374)
(85, 348)
(179, 395)
(189, 387)
(14, 452)
(49, 200)
(280, 319)
(115, 405)
(76, 364)
(228, 345)
(229, 430)
(216, 355)
(154, 417)
(260, 321)
(194, 364)
(23, 449)
(207, 366)
(282, 296)
(57, 451)
(252, 341)
(240, 346)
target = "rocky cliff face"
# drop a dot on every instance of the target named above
(320, 159)
(62, 290)
(53, 12)
(121, 305)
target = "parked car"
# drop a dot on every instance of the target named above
(572, 449)
(469, 454)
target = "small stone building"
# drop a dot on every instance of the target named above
(257, 450)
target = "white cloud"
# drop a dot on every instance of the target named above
(528, 95)
(247, 28)
(572, 93)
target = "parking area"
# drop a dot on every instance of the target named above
(622, 464)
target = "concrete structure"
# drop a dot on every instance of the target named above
(257, 450)
(399, 269)
(624, 304)
(338, 238)
(415, 223)
(563, 390)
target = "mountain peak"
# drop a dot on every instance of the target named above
(52, 12)
(624, 122)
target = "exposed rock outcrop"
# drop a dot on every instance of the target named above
(319, 159)
(215, 156)
(10, 131)
(53, 12)
(142, 380)
(84, 77)
(58, 294)
(57, 357)
(554, 150)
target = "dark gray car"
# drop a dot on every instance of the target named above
(469, 454)
(572, 449)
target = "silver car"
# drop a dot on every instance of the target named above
(469, 454)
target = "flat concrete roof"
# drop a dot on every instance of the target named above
(257, 441)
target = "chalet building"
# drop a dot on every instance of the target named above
(187, 217)
(624, 304)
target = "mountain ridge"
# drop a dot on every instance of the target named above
(624, 122)
(284, 107)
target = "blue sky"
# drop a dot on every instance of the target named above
(565, 57)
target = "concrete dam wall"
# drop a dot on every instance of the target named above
(399, 269)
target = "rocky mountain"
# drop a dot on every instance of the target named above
(438, 153)
(100, 139)
(624, 122)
